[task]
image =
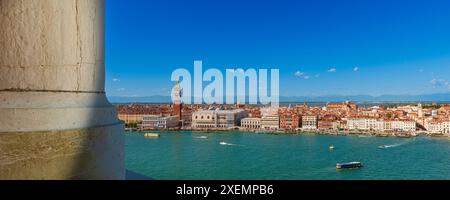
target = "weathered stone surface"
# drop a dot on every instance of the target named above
(94, 153)
(55, 121)
(52, 45)
(41, 111)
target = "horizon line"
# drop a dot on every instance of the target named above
(309, 96)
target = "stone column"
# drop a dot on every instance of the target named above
(55, 121)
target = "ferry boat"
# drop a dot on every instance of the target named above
(150, 135)
(349, 165)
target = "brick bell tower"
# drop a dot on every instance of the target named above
(176, 100)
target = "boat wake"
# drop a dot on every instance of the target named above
(387, 146)
(228, 144)
(404, 142)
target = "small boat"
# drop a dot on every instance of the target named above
(151, 135)
(349, 165)
(388, 146)
(331, 147)
(202, 137)
(223, 143)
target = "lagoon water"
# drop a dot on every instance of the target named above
(237, 156)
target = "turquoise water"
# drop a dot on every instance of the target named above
(185, 155)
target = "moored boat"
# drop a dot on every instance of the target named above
(349, 165)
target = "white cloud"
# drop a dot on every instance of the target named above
(332, 70)
(300, 74)
(317, 75)
(440, 83)
(116, 80)
(356, 69)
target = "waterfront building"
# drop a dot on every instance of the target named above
(217, 119)
(327, 124)
(270, 119)
(341, 124)
(289, 119)
(186, 117)
(404, 125)
(150, 122)
(446, 127)
(309, 122)
(435, 127)
(131, 118)
(328, 121)
(251, 123)
(270, 122)
(374, 124)
(388, 125)
(365, 124)
(168, 122)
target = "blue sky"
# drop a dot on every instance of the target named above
(375, 47)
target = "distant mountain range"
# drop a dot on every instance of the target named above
(146, 99)
(443, 97)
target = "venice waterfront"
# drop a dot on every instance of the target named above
(241, 156)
